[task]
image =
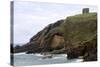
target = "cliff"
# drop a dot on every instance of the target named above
(43, 41)
(76, 36)
(80, 33)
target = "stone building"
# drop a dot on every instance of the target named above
(85, 10)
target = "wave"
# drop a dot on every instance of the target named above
(79, 60)
(38, 54)
(19, 53)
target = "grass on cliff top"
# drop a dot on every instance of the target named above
(80, 27)
(82, 17)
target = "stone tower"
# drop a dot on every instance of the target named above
(85, 10)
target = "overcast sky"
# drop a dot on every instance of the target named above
(31, 17)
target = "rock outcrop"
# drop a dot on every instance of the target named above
(44, 40)
(80, 36)
(91, 50)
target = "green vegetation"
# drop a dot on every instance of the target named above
(80, 27)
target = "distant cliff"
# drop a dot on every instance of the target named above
(76, 36)
(44, 40)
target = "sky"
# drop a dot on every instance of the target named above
(31, 17)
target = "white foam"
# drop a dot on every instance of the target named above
(56, 57)
(38, 54)
(65, 55)
(79, 60)
(19, 53)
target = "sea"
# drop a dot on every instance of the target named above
(22, 59)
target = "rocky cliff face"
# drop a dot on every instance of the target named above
(43, 41)
(80, 36)
(75, 36)
(44, 38)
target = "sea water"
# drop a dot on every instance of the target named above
(22, 59)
